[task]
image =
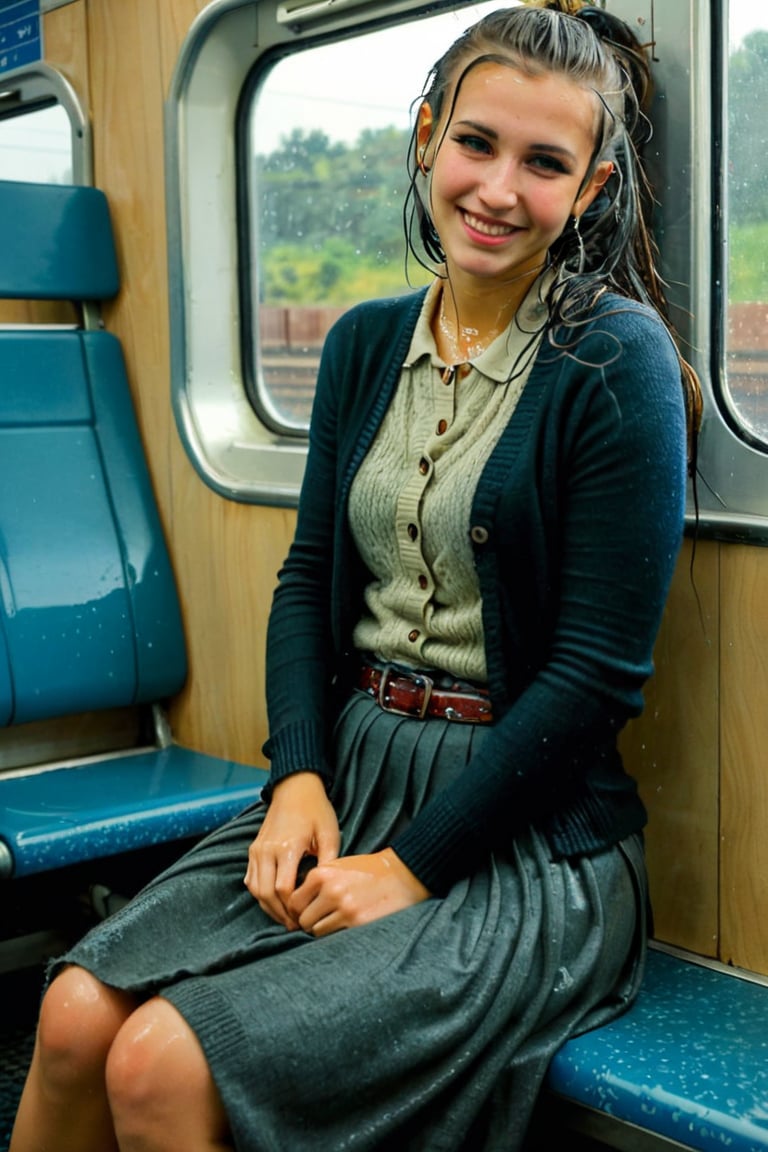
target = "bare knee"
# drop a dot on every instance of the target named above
(158, 1080)
(79, 1020)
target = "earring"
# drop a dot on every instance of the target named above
(580, 243)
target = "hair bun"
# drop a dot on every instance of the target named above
(568, 7)
(621, 40)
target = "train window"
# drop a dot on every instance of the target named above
(37, 146)
(44, 132)
(746, 197)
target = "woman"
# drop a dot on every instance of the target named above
(446, 878)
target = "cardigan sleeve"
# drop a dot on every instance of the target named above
(298, 669)
(600, 496)
(309, 628)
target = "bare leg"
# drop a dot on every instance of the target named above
(160, 1088)
(64, 1105)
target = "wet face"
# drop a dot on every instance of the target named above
(507, 170)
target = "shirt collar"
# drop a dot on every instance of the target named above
(494, 362)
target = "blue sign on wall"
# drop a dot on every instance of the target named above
(21, 33)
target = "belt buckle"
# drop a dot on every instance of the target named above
(424, 682)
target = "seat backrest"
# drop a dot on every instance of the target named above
(57, 243)
(89, 613)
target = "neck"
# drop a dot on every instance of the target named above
(468, 320)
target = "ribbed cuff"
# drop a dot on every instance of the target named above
(298, 748)
(439, 847)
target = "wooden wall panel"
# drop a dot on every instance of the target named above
(127, 100)
(37, 312)
(65, 42)
(222, 707)
(744, 711)
(672, 750)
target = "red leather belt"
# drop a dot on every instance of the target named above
(415, 694)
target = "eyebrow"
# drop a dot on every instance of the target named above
(492, 134)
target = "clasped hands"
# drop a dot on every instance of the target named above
(339, 892)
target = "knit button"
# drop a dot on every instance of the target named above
(479, 534)
(414, 635)
(423, 465)
(442, 427)
(413, 531)
(423, 582)
(465, 370)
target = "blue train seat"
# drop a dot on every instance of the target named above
(685, 1067)
(89, 612)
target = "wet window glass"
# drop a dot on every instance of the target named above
(36, 146)
(746, 225)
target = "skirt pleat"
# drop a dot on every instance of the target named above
(429, 1030)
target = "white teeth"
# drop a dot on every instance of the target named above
(488, 229)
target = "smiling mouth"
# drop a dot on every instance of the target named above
(485, 228)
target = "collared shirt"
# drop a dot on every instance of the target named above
(411, 499)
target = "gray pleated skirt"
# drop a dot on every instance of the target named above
(429, 1030)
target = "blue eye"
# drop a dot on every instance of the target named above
(548, 163)
(473, 143)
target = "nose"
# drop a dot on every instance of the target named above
(498, 189)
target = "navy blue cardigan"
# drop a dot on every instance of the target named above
(576, 524)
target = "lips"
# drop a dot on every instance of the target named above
(492, 230)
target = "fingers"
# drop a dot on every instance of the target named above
(324, 903)
(354, 890)
(315, 906)
(271, 878)
(328, 842)
(300, 822)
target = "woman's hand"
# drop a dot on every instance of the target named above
(353, 890)
(300, 821)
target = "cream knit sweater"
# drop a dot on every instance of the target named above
(410, 502)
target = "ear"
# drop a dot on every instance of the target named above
(596, 182)
(424, 127)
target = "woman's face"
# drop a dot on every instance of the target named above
(508, 169)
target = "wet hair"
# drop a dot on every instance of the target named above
(612, 247)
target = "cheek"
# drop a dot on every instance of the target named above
(451, 177)
(551, 209)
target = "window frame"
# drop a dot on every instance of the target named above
(727, 401)
(36, 86)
